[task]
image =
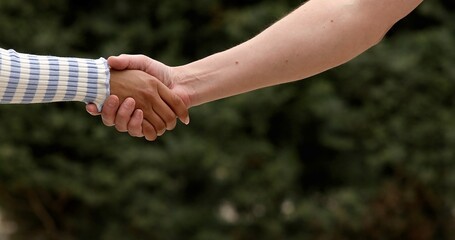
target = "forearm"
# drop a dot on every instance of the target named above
(28, 78)
(319, 35)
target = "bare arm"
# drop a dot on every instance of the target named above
(319, 35)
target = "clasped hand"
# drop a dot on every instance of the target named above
(143, 101)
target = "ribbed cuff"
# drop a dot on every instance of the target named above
(26, 78)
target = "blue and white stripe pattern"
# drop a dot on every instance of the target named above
(26, 78)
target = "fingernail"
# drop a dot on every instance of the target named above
(186, 121)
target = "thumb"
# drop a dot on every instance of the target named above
(118, 63)
(92, 109)
(130, 62)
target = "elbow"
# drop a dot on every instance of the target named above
(379, 16)
(371, 31)
(377, 38)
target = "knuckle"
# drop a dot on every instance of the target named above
(171, 125)
(169, 118)
(120, 129)
(150, 137)
(135, 124)
(149, 132)
(161, 129)
(122, 112)
(161, 133)
(177, 101)
(135, 134)
(107, 123)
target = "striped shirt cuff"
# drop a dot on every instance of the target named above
(26, 78)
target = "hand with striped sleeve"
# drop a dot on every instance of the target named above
(116, 110)
(27, 78)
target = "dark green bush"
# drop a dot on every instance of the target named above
(364, 151)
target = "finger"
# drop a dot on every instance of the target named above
(139, 62)
(124, 114)
(149, 131)
(165, 113)
(175, 103)
(135, 124)
(124, 61)
(92, 109)
(117, 63)
(109, 110)
(156, 121)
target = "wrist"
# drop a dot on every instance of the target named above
(183, 84)
(205, 80)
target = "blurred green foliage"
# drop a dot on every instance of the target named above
(364, 151)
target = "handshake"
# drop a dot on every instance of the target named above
(146, 97)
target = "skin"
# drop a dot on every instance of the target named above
(157, 106)
(319, 35)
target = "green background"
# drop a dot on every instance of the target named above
(363, 151)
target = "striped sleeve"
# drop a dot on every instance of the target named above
(26, 78)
